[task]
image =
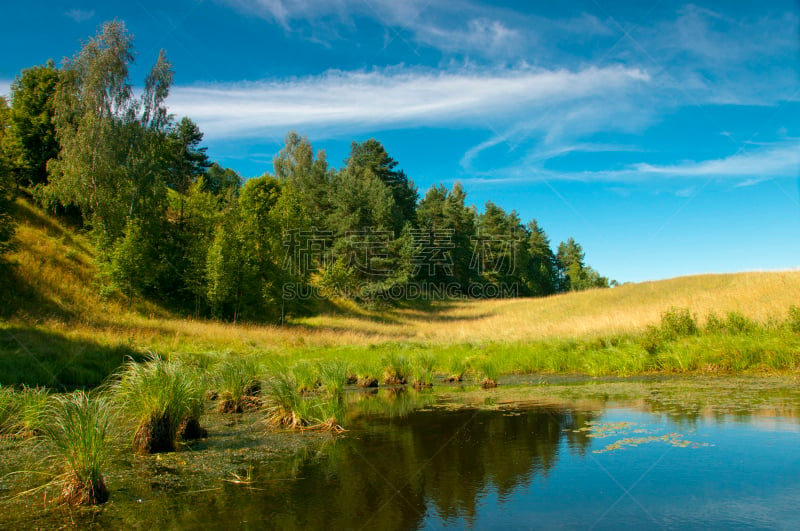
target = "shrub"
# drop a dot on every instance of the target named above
(678, 322)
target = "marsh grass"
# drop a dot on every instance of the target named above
(9, 408)
(307, 376)
(487, 371)
(396, 368)
(333, 376)
(79, 426)
(290, 406)
(157, 396)
(457, 367)
(239, 382)
(30, 409)
(422, 367)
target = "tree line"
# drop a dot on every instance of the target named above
(171, 225)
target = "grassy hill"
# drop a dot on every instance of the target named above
(58, 329)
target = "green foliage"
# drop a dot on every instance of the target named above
(396, 368)
(333, 377)
(678, 322)
(485, 368)
(114, 157)
(32, 117)
(7, 224)
(9, 409)
(132, 267)
(32, 404)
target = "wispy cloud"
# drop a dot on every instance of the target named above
(80, 15)
(341, 103)
(768, 161)
(5, 88)
(777, 160)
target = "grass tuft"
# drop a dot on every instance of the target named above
(79, 427)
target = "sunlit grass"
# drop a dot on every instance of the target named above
(157, 396)
(79, 427)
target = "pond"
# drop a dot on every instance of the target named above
(675, 454)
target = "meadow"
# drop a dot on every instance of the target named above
(59, 329)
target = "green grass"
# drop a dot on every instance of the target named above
(237, 379)
(156, 396)
(422, 367)
(57, 331)
(79, 427)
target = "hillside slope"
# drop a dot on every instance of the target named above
(56, 324)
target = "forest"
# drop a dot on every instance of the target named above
(172, 226)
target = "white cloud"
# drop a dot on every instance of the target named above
(340, 103)
(778, 160)
(5, 88)
(80, 15)
(769, 161)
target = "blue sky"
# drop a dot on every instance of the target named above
(664, 136)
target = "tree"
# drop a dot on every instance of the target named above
(309, 176)
(190, 160)
(543, 274)
(223, 181)
(372, 155)
(32, 118)
(113, 160)
(501, 251)
(7, 225)
(443, 213)
(577, 275)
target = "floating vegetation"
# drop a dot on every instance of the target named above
(644, 434)
(79, 427)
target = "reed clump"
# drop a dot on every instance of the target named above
(239, 384)
(158, 396)
(79, 426)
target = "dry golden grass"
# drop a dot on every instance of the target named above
(55, 289)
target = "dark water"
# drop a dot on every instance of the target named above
(516, 466)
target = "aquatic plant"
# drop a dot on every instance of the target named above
(395, 369)
(9, 408)
(157, 396)
(457, 367)
(31, 404)
(79, 427)
(422, 367)
(306, 375)
(333, 376)
(239, 382)
(486, 371)
(289, 408)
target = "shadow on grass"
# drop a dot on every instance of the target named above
(32, 356)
